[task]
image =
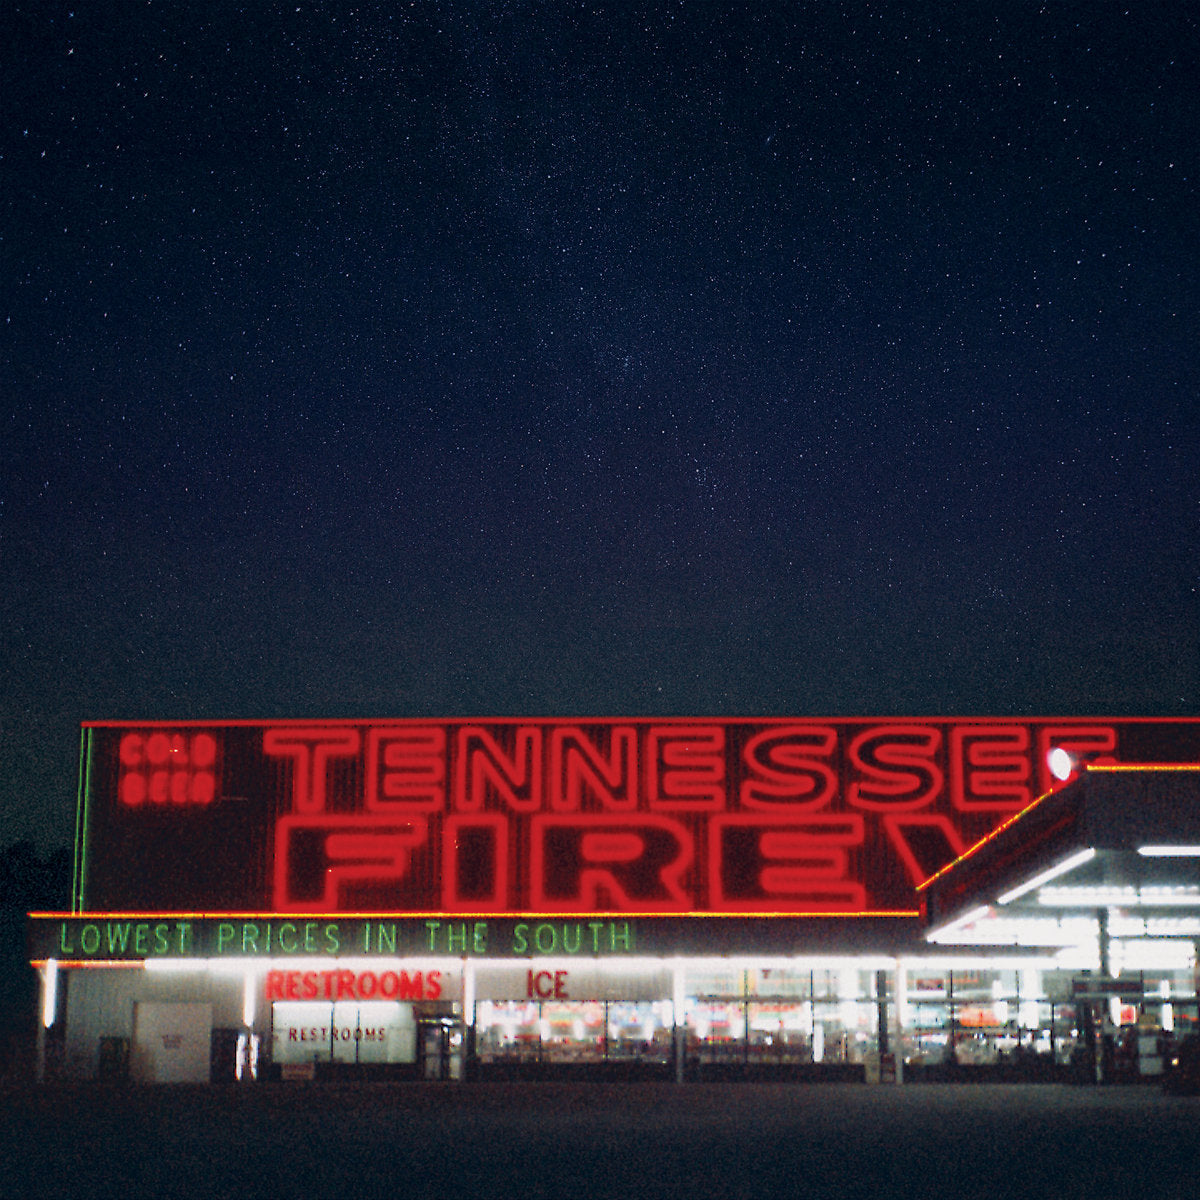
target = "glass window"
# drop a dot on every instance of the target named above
(345, 1032)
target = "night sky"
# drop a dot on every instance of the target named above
(505, 358)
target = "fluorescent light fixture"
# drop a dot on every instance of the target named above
(1120, 897)
(1153, 954)
(1169, 851)
(469, 993)
(939, 935)
(249, 1001)
(912, 964)
(1067, 864)
(49, 992)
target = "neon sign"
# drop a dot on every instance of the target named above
(564, 816)
(167, 768)
(354, 985)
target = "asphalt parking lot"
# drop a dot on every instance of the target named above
(581, 1140)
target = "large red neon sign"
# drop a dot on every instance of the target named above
(565, 816)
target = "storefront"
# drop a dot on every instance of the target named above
(1104, 874)
(499, 899)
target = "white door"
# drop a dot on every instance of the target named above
(172, 1043)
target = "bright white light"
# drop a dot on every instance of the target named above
(1153, 954)
(49, 992)
(249, 999)
(678, 990)
(1061, 764)
(1067, 864)
(469, 993)
(1169, 851)
(1084, 956)
(1121, 897)
(943, 934)
(983, 960)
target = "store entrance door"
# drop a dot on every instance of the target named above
(440, 1047)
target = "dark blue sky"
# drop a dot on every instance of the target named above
(642, 358)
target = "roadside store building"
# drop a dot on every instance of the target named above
(621, 898)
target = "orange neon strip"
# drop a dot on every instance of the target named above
(90, 962)
(468, 916)
(983, 841)
(1111, 767)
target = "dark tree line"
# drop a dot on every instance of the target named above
(28, 883)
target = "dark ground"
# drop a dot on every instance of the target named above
(578, 1141)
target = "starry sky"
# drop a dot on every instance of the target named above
(689, 358)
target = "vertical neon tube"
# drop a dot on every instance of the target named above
(249, 998)
(49, 992)
(468, 992)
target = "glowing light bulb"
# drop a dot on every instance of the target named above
(1061, 764)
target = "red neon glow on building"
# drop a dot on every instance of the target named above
(563, 816)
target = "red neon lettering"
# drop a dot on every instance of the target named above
(780, 864)
(989, 768)
(344, 989)
(133, 789)
(898, 763)
(368, 984)
(167, 768)
(925, 842)
(1084, 743)
(158, 749)
(275, 984)
(587, 862)
(291, 985)
(433, 985)
(790, 768)
(131, 750)
(619, 847)
(158, 787)
(546, 985)
(475, 863)
(389, 985)
(579, 767)
(316, 858)
(411, 986)
(203, 788)
(406, 769)
(204, 750)
(308, 985)
(685, 768)
(310, 751)
(483, 766)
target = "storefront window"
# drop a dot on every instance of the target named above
(573, 1031)
(981, 1017)
(345, 1032)
(781, 1015)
